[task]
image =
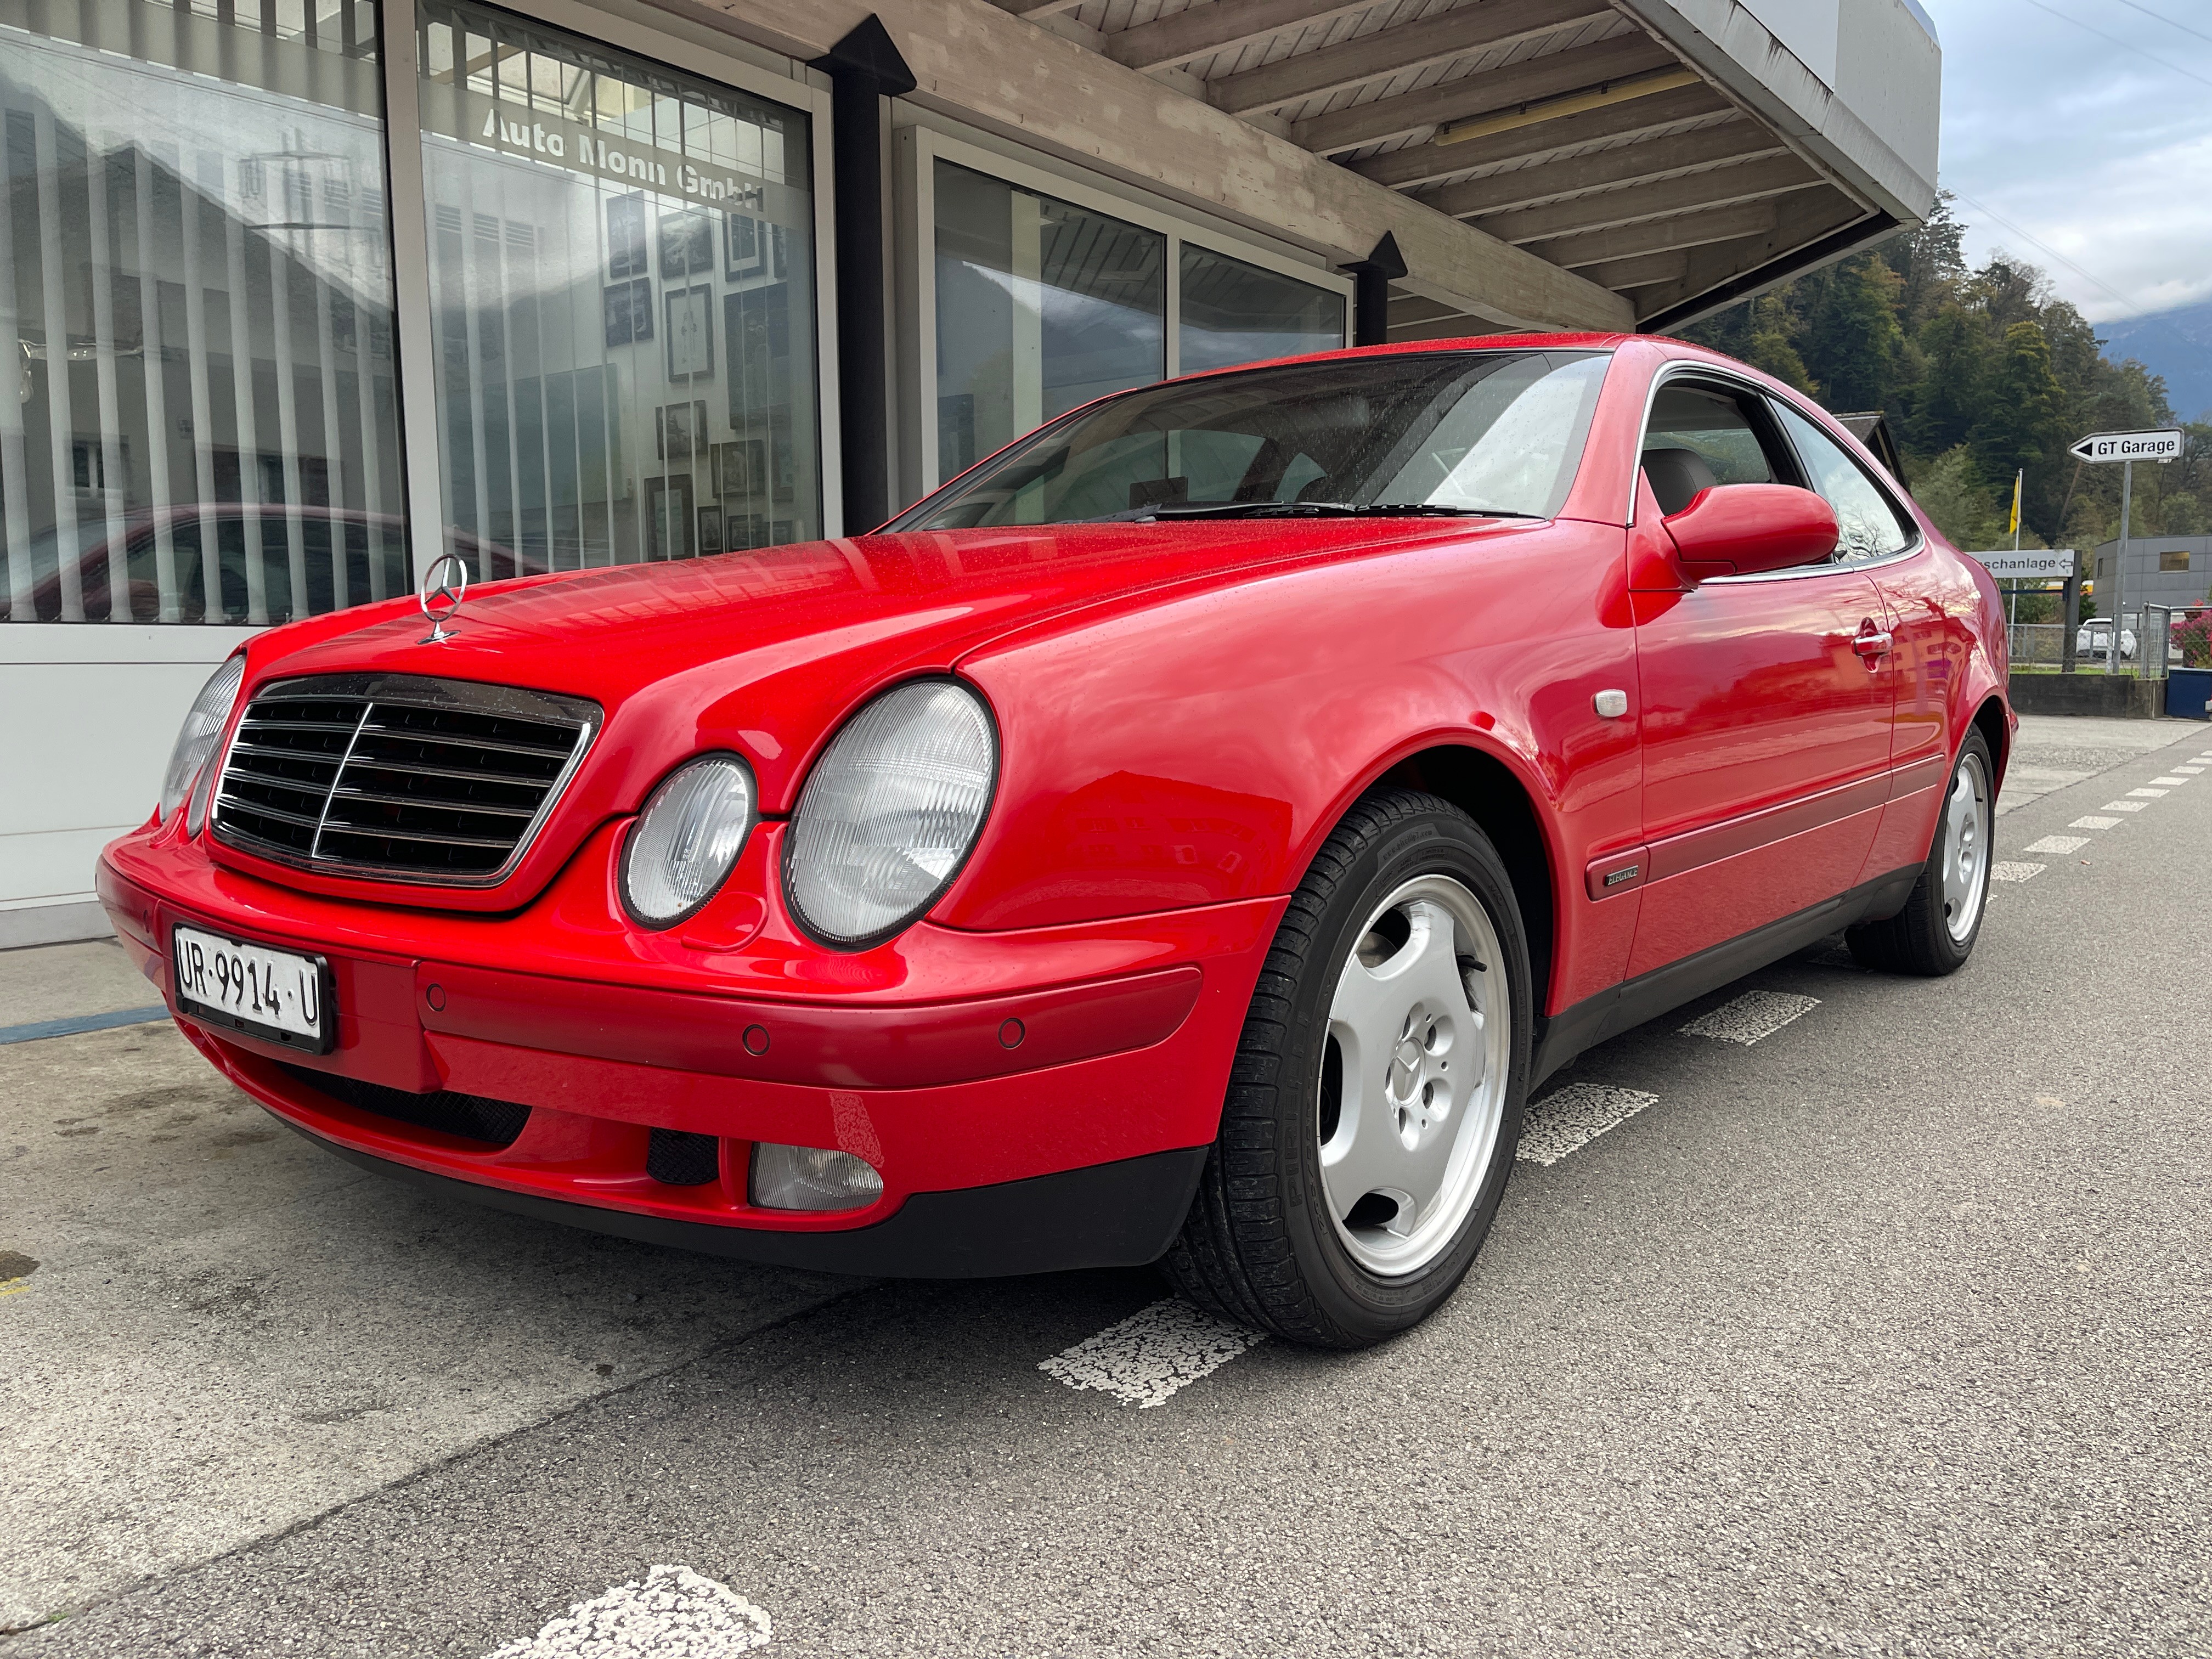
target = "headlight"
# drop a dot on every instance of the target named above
(891, 811)
(203, 729)
(691, 833)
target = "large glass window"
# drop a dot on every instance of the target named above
(1041, 306)
(623, 295)
(1234, 312)
(196, 295)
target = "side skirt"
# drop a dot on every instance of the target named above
(1629, 1003)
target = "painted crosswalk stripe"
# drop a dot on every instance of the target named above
(2149, 794)
(2093, 823)
(2124, 806)
(1752, 1016)
(671, 1612)
(2010, 871)
(2170, 782)
(2189, 771)
(1151, 1354)
(1574, 1116)
(2057, 844)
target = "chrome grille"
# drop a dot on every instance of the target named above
(396, 776)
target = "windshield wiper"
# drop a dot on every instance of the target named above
(1305, 510)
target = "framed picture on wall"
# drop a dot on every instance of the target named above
(626, 253)
(680, 431)
(710, 530)
(687, 244)
(690, 333)
(669, 518)
(629, 311)
(741, 246)
(730, 471)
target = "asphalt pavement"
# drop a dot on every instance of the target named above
(1849, 1315)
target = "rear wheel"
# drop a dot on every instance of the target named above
(1935, 932)
(1375, 1097)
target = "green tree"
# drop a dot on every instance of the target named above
(1946, 401)
(1852, 343)
(2024, 413)
(1952, 491)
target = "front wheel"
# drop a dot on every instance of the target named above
(1376, 1099)
(1935, 932)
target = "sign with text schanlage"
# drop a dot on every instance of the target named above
(2029, 564)
(2103, 446)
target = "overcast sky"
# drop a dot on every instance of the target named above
(2087, 124)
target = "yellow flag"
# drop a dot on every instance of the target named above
(2012, 528)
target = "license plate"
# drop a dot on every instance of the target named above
(280, 995)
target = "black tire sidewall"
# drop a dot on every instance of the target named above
(1436, 840)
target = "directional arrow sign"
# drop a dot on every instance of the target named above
(2130, 446)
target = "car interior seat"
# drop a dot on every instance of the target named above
(1676, 475)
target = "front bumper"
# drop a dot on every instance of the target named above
(1033, 1101)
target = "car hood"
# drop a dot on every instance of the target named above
(765, 653)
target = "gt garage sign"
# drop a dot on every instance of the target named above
(2130, 446)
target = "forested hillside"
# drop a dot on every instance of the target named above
(1980, 372)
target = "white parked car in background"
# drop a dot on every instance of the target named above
(2095, 640)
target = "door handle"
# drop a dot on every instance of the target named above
(1871, 645)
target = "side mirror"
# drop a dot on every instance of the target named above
(1740, 529)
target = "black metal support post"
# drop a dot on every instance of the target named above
(1370, 291)
(2072, 623)
(865, 68)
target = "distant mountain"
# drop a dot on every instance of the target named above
(2176, 345)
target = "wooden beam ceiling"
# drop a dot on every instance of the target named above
(1218, 25)
(1746, 181)
(1365, 57)
(1418, 163)
(1485, 93)
(1640, 163)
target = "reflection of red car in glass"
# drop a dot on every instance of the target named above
(364, 537)
(1190, 835)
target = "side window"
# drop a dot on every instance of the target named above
(1873, 525)
(1700, 436)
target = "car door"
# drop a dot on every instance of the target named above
(1929, 619)
(1766, 700)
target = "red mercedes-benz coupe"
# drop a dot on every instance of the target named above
(1187, 836)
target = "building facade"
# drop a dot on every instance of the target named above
(304, 293)
(2169, 570)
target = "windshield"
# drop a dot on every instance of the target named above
(1487, 433)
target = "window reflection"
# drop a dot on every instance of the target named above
(197, 299)
(1233, 313)
(1041, 306)
(623, 298)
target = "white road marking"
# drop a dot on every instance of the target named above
(2057, 844)
(2149, 794)
(2172, 783)
(2093, 823)
(2124, 806)
(1752, 1016)
(673, 1614)
(1151, 1354)
(2006, 871)
(1574, 1116)
(2190, 770)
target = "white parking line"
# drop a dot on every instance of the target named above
(1151, 1354)
(2172, 782)
(2093, 823)
(673, 1614)
(2008, 871)
(2057, 844)
(2124, 806)
(1573, 1117)
(2149, 794)
(1752, 1016)
(2190, 770)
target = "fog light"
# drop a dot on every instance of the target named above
(808, 1178)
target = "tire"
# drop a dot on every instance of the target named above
(1277, 1237)
(1926, 936)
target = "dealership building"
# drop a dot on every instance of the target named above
(303, 293)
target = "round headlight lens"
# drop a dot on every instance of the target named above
(203, 730)
(691, 833)
(891, 810)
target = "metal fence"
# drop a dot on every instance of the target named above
(2146, 643)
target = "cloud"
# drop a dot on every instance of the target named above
(2099, 149)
